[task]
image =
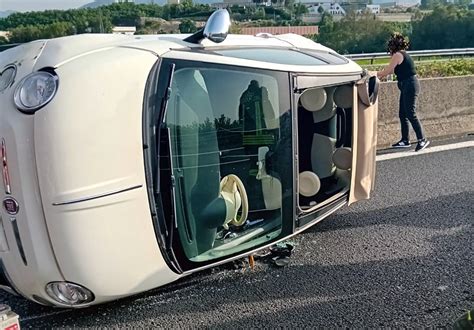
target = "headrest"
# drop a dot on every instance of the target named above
(342, 158)
(313, 99)
(343, 96)
(309, 183)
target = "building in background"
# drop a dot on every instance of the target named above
(301, 30)
(373, 9)
(332, 8)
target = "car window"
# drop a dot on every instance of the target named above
(220, 119)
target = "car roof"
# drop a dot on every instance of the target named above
(58, 51)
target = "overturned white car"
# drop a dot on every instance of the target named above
(131, 161)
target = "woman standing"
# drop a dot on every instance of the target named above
(403, 66)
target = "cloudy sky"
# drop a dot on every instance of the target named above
(27, 5)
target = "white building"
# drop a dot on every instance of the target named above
(333, 8)
(374, 9)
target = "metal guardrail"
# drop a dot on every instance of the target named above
(418, 54)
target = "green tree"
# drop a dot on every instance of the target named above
(356, 33)
(300, 9)
(187, 26)
(430, 4)
(445, 27)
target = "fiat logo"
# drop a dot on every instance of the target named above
(11, 206)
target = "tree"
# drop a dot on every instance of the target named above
(28, 33)
(430, 4)
(300, 9)
(356, 33)
(445, 27)
(187, 26)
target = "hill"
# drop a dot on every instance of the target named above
(6, 13)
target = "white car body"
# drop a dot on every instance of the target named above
(76, 166)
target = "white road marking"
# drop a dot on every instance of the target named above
(428, 150)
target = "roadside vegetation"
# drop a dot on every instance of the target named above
(443, 27)
(437, 68)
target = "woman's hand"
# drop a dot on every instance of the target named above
(395, 60)
(373, 73)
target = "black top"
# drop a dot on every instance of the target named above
(406, 69)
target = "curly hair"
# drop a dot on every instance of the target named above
(397, 42)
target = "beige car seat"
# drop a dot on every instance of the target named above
(271, 186)
(318, 101)
(327, 161)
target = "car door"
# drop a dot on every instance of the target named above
(364, 141)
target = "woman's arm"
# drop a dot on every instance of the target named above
(396, 59)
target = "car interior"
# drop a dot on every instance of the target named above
(232, 157)
(324, 142)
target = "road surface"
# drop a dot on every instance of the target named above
(403, 258)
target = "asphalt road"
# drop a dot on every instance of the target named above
(403, 258)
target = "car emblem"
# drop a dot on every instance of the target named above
(11, 205)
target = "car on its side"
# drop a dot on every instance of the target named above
(129, 162)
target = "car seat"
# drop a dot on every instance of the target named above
(317, 139)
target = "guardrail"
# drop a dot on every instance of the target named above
(417, 54)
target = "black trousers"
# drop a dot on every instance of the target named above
(409, 90)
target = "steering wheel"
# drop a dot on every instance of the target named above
(233, 192)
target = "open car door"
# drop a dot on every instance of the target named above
(364, 143)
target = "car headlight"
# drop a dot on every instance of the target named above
(35, 91)
(69, 293)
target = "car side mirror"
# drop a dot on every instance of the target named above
(216, 29)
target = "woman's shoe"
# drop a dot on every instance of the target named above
(402, 144)
(422, 144)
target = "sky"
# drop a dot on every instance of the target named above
(30, 5)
